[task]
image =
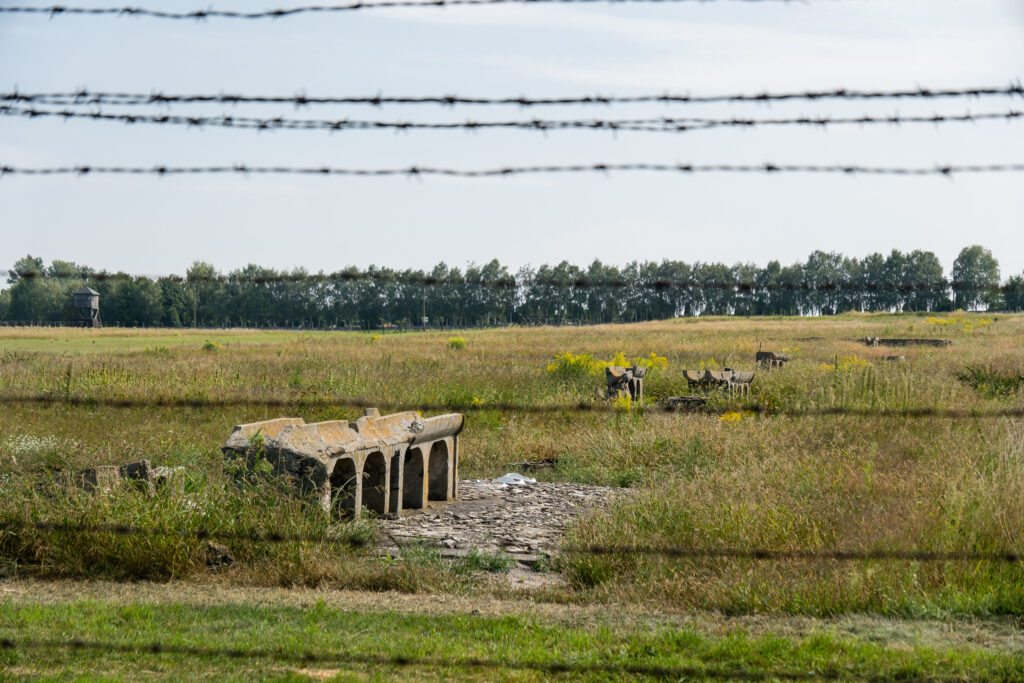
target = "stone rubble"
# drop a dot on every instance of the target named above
(517, 519)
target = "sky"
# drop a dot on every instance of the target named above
(150, 225)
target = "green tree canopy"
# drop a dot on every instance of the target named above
(976, 279)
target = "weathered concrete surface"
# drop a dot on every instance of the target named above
(731, 380)
(880, 341)
(524, 519)
(767, 360)
(382, 463)
(684, 403)
(624, 382)
(242, 435)
(140, 475)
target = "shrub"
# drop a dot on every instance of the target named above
(211, 346)
(569, 365)
(652, 362)
(990, 382)
(456, 343)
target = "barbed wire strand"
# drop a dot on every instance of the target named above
(433, 664)
(678, 551)
(57, 10)
(948, 170)
(85, 97)
(517, 282)
(321, 401)
(656, 125)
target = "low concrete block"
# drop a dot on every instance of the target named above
(140, 475)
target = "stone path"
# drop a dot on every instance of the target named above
(516, 519)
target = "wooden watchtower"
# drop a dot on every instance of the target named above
(87, 307)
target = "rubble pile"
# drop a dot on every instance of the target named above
(492, 516)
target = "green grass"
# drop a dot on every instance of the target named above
(486, 562)
(856, 482)
(232, 642)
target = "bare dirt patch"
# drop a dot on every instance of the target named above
(515, 519)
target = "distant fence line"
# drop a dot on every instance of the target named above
(942, 286)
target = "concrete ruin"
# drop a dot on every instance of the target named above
(900, 341)
(385, 464)
(625, 382)
(140, 475)
(733, 381)
(684, 403)
(768, 360)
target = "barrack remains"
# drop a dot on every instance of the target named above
(385, 464)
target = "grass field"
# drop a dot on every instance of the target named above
(823, 455)
(301, 635)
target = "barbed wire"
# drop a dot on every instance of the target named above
(657, 125)
(85, 97)
(517, 282)
(314, 401)
(434, 664)
(677, 551)
(56, 10)
(948, 170)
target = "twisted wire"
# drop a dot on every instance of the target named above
(84, 96)
(948, 170)
(660, 124)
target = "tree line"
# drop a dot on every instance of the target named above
(826, 283)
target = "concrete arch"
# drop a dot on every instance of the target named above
(375, 483)
(344, 488)
(439, 486)
(413, 484)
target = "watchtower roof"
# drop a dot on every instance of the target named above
(88, 290)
